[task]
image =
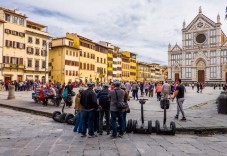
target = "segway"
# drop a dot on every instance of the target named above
(61, 116)
(142, 129)
(164, 103)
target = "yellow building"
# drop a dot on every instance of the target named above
(109, 59)
(92, 59)
(24, 47)
(132, 65)
(125, 64)
(64, 60)
(143, 72)
(101, 63)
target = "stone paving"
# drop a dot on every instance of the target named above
(24, 134)
(200, 108)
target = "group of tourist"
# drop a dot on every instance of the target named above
(92, 104)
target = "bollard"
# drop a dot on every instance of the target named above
(222, 104)
(11, 92)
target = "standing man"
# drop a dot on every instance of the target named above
(141, 88)
(104, 102)
(89, 101)
(179, 94)
(197, 87)
(151, 90)
(128, 87)
(135, 88)
(116, 96)
(166, 89)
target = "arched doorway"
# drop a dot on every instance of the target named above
(176, 73)
(201, 66)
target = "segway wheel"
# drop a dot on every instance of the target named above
(69, 118)
(149, 129)
(134, 126)
(173, 127)
(129, 126)
(55, 113)
(157, 127)
(62, 117)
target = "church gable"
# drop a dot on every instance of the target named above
(176, 48)
(200, 22)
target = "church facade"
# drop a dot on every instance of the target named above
(203, 55)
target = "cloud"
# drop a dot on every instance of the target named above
(142, 26)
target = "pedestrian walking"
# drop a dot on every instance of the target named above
(141, 88)
(179, 94)
(146, 87)
(201, 87)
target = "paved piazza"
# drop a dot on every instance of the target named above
(27, 134)
(200, 108)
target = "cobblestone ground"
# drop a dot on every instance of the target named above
(30, 135)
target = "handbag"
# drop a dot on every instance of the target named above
(122, 104)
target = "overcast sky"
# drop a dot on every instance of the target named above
(144, 27)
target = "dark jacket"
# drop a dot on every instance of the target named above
(88, 99)
(103, 92)
(70, 88)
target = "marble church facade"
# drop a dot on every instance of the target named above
(203, 55)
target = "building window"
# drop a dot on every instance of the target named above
(84, 54)
(29, 39)
(13, 60)
(67, 52)
(188, 43)
(188, 72)
(15, 18)
(213, 60)
(36, 63)
(29, 50)
(7, 17)
(212, 40)
(101, 60)
(188, 56)
(70, 53)
(43, 64)
(97, 59)
(66, 72)
(213, 72)
(70, 43)
(223, 56)
(84, 66)
(8, 43)
(36, 41)
(44, 43)
(6, 59)
(87, 66)
(212, 33)
(29, 63)
(188, 62)
(36, 51)
(15, 33)
(81, 53)
(21, 21)
(188, 36)
(88, 55)
(74, 53)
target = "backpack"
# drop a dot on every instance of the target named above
(104, 102)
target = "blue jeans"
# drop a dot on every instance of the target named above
(135, 94)
(79, 122)
(124, 121)
(114, 116)
(88, 122)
